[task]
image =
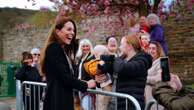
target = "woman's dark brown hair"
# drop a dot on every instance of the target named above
(26, 55)
(52, 37)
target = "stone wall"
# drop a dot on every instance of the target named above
(180, 38)
(1, 46)
(15, 42)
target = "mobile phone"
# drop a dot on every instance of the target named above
(164, 62)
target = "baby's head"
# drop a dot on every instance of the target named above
(100, 50)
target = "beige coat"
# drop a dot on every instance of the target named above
(154, 75)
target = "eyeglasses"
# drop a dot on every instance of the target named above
(36, 54)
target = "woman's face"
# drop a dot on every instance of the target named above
(66, 34)
(152, 21)
(143, 21)
(124, 47)
(85, 48)
(153, 51)
(112, 45)
(28, 61)
(145, 40)
(36, 57)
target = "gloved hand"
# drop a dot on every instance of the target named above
(107, 67)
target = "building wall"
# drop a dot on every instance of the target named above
(15, 42)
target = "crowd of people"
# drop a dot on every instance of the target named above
(67, 64)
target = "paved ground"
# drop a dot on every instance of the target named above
(11, 101)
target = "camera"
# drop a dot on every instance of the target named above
(107, 67)
(164, 62)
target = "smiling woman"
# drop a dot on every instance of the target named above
(57, 59)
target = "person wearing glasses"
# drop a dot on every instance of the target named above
(29, 73)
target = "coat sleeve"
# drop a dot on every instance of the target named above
(154, 74)
(158, 34)
(171, 99)
(132, 68)
(59, 62)
(20, 74)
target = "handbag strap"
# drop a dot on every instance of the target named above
(70, 64)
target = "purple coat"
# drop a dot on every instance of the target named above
(157, 34)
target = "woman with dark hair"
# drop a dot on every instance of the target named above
(29, 73)
(56, 63)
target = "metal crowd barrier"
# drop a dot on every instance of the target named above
(33, 92)
(150, 104)
(29, 94)
(120, 95)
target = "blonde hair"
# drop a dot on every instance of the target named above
(52, 37)
(84, 42)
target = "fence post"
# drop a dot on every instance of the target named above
(19, 102)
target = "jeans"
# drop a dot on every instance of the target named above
(86, 102)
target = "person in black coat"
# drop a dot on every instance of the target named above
(29, 73)
(132, 69)
(56, 64)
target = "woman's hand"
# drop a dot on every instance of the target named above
(175, 82)
(91, 83)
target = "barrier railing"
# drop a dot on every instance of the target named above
(33, 93)
(150, 104)
(119, 95)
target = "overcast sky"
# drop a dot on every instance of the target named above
(39, 3)
(25, 4)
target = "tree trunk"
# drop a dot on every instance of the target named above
(143, 8)
(156, 4)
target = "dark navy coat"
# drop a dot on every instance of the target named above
(60, 80)
(157, 34)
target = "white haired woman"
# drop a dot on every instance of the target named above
(157, 31)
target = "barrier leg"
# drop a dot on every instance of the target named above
(19, 102)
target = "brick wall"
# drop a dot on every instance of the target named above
(180, 38)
